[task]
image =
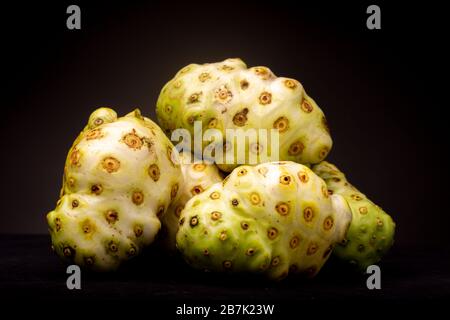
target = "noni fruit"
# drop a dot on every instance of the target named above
(274, 218)
(120, 176)
(371, 232)
(227, 95)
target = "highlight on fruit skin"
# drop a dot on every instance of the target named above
(273, 219)
(120, 177)
(228, 95)
(371, 232)
(197, 177)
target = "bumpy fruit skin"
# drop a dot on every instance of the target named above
(198, 176)
(273, 218)
(119, 178)
(371, 232)
(227, 95)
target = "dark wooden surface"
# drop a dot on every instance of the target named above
(30, 272)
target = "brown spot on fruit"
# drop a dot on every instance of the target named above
(244, 225)
(262, 72)
(168, 108)
(87, 226)
(71, 182)
(111, 216)
(178, 84)
(235, 202)
(240, 118)
(138, 230)
(214, 195)
(75, 157)
(282, 124)
(58, 224)
(363, 210)
(282, 208)
(255, 198)
(275, 261)
(98, 122)
(303, 176)
(272, 233)
(265, 98)
(89, 261)
(323, 152)
(255, 148)
(111, 164)
(296, 148)
(206, 252)
(185, 70)
(160, 211)
(132, 140)
(226, 67)
(75, 203)
(293, 243)
(174, 191)
(178, 211)
(308, 214)
(131, 251)
(204, 76)
(195, 97)
(96, 189)
(306, 106)
(285, 179)
(94, 134)
(170, 156)
(263, 171)
(196, 190)
(356, 197)
(312, 248)
(199, 166)
(137, 197)
(223, 236)
(194, 221)
(244, 84)
(223, 94)
(250, 252)
(113, 247)
(68, 252)
(216, 215)
(212, 123)
(379, 223)
(227, 264)
(153, 171)
(291, 84)
(241, 172)
(328, 223)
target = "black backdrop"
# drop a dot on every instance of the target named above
(379, 89)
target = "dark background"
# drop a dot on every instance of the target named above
(378, 88)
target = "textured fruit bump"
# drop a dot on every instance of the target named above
(119, 179)
(273, 218)
(371, 232)
(227, 95)
(198, 176)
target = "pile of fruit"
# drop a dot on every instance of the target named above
(124, 182)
